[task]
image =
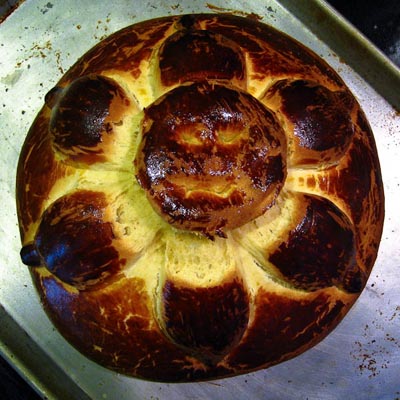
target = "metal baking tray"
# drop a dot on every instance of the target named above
(39, 41)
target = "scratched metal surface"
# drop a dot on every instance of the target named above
(360, 359)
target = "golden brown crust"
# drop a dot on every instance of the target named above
(320, 251)
(224, 60)
(75, 242)
(211, 158)
(317, 120)
(84, 118)
(208, 124)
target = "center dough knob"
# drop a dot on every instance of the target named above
(211, 158)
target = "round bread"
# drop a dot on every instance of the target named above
(199, 197)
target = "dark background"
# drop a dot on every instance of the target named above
(379, 21)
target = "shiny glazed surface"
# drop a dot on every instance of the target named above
(266, 304)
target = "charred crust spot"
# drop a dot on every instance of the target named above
(30, 256)
(188, 21)
(207, 322)
(209, 153)
(211, 56)
(320, 251)
(53, 96)
(211, 158)
(321, 119)
(84, 114)
(75, 243)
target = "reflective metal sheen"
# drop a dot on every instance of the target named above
(39, 41)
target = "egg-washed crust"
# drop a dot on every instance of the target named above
(131, 288)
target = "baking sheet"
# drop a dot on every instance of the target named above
(360, 359)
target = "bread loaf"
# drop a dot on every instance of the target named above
(199, 197)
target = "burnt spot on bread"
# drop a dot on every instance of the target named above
(209, 152)
(188, 22)
(211, 56)
(84, 116)
(321, 250)
(30, 255)
(206, 322)
(74, 242)
(53, 96)
(211, 158)
(317, 120)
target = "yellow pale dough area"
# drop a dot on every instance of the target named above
(148, 296)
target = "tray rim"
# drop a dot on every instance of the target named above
(326, 23)
(35, 366)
